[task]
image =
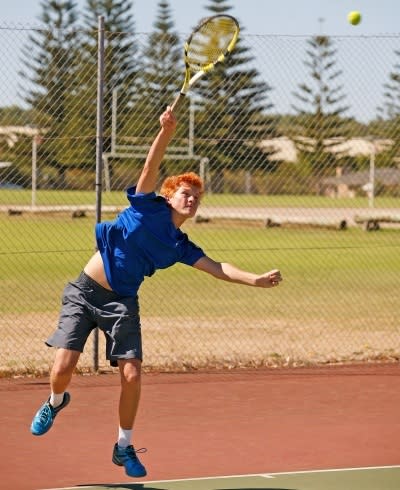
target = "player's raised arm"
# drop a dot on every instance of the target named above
(148, 178)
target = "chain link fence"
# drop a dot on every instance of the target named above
(297, 139)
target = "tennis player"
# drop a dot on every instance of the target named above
(143, 238)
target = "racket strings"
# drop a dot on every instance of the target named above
(211, 42)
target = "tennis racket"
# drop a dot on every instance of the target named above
(209, 44)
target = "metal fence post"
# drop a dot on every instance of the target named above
(99, 152)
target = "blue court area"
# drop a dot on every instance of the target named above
(378, 478)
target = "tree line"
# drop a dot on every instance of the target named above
(233, 107)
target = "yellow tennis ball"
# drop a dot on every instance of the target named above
(354, 17)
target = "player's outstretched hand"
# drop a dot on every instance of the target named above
(269, 279)
(168, 120)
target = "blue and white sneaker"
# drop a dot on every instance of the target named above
(126, 456)
(44, 418)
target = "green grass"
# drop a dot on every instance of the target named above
(45, 197)
(320, 268)
(321, 264)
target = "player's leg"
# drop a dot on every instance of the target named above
(130, 373)
(61, 373)
(119, 319)
(124, 454)
(75, 324)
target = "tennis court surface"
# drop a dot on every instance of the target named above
(326, 428)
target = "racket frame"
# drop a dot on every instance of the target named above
(189, 80)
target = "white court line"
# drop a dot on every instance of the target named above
(362, 468)
(249, 475)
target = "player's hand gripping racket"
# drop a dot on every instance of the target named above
(210, 43)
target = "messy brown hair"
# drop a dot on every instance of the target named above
(172, 183)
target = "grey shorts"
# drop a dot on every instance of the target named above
(87, 305)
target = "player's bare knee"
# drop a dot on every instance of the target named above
(64, 363)
(62, 370)
(130, 372)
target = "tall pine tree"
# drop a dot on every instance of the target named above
(120, 58)
(51, 64)
(391, 104)
(119, 72)
(161, 72)
(232, 105)
(320, 108)
(49, 58)
(389, 114)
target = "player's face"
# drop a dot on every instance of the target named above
(185, 200)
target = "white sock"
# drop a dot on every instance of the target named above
(56, 399)
(124, 437)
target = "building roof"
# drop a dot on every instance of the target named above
(284, 149)
(12, 133)
(386, 176)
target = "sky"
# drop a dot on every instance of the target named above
(260, 17)
(293, 17)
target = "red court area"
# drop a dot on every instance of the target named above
(206, 424)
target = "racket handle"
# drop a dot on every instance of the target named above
(177, 104)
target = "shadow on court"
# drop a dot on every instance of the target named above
(143, 486)
(120, 486)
